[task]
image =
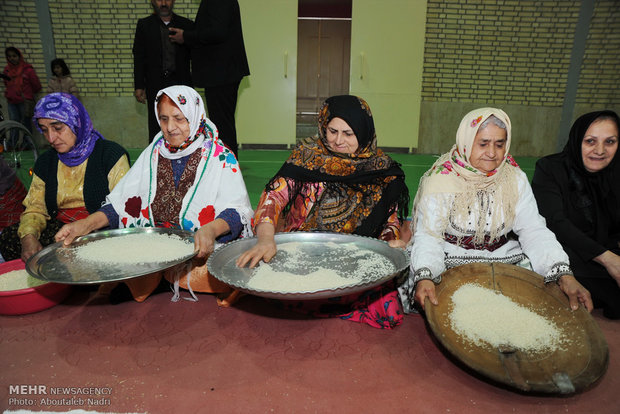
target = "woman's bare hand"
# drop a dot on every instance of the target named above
(576, 293)
(611, 261)
(30, 246)
(397, 244)
(204, 240)
(71, 231)
(264, 249)
(425, 289)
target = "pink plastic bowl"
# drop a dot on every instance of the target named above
(29, 300)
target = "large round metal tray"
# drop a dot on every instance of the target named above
(57, 263)
(315, 246)
(571, 368)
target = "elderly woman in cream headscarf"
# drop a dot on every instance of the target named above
(186, 178)
(476, 205)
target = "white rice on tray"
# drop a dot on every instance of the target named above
(18, 279)
(135, 248)
(369, 263)
(268, 279)
(482, 315)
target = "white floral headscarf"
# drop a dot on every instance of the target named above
(190, 103)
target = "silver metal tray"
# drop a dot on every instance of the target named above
(316, 246)
(57, 263)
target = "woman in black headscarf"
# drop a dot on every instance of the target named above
(578, 192)
(339, 182)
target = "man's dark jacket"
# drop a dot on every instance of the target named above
(218, 51)
(147, 52)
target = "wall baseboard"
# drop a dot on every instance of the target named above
(264, 146)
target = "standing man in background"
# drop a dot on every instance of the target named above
(157, 62)
(219, 61)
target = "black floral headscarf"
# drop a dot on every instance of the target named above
(593, 191)
(362, 190)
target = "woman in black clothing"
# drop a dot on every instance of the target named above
(578, 192)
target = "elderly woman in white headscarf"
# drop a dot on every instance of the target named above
(186, 178)
(476, 205)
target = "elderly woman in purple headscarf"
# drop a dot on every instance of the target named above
(70, 180)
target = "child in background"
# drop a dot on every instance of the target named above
(61, 81)
(21, 84)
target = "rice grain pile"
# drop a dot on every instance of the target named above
(18, 279)
(367, 263)
(302, 270)
(135, 248)
(482, 316)
(266, 278)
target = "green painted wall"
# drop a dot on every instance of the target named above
(267, 98)
(508, 53)
(387, 65)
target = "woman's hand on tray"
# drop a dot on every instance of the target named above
(397, 244)
(425, 289)
(264, 249)
(71, 231)
(30, 246)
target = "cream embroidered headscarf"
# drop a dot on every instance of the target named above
(452, 173)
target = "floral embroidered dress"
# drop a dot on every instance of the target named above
(210, 186)
(360, 193)
(299, 215)
(462, 215)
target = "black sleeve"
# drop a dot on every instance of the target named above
(552, 204)
(113, 152)
(139, 56)
(213, 22)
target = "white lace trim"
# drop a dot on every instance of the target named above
(177, 276)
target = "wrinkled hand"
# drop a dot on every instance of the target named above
(611, 261)
(397, 244)
(576, 293)
(425, 289)
(71, 231)
(30, 246)
(263, 250)
(176, 35)
(204, 240)
(140, 95)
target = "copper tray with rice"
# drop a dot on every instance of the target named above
(577, 362)
(312, 265)
(64, 264)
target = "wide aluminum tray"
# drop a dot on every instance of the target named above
(57, 263)
(328, 249)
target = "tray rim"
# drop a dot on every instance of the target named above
(319, 294)
(593, 331)
(101, 234)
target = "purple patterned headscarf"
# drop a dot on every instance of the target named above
(67, 109)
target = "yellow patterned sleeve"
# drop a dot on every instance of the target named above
(118, 171)
(34, 218)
